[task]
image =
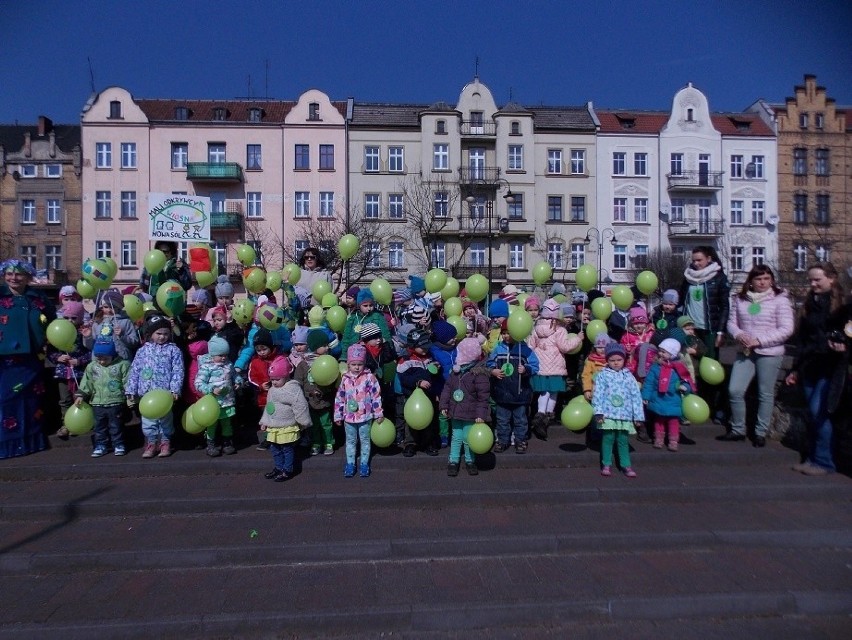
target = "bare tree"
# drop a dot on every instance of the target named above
(667, 266)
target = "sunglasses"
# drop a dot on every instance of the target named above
(310, 257)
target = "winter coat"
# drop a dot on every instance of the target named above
(617, 397)
(412, 370)
(215, 375)
(319, 398)
(235, 337)
(669, 318)
(716, 300)
(814, 358)
(772, 325)
(126, 341)
(282, 340)
(445, 356)
(358, 399)
(194, 351)
(63, 371)
(23, 320)
(591, 368)
(258, 374)
(675, 380)
(155, 366)
(513, 389)
(103, 386)
(357, 319)
(550, 342)
(474, 383)
(631, 341)
(287, 409)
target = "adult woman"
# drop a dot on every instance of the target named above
(761, 321)
(24, 315)
(821, 361)
(704, 292)
(313, 268)
(175, 269)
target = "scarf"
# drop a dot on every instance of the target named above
(666, 370)
(700, 276)
(754, 296)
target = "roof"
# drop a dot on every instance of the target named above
(274, 111)
(575, 118)
(382, 114)
(652, 122)
(12, 136)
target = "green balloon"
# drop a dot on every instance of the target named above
(171, 298)
(647, 282)
(451, 289)
(383, 434)
(292, 273)
(246, 254)
(243, 312)
(329, 300)
(436, 280)
(579, 347)
(316, 316)
(476, 287)
(204, 278)
(577, 414)
(255, 280)
(154, 261)
(325, 370)
(381, 291)
(460, 325)
(156, 403)
(622, 297)
(273, 280)
(205, 411)
(336, 318)
(601, 308)
(695, 409)
(348, 246)
(542, 272)
(189, 423)
(62, 334)
(79, 420)
(587, 277)
(97, 273)
(133, 307)
(453, 306)
(270, 316)
(520, 325)
(480, 438)
(86, 290)
(711, 371)
(113, 267)
(594, 328)
(418, 410)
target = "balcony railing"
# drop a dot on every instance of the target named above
(692, 227)
(464, 271)
(477, 128)
(695, 180)
(214, 172)
(480, 176)
(230, 220)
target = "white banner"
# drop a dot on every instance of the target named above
(178, 218)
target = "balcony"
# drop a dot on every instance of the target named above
(214, 172)
(223, 221)
(480, 176)
(464, 271)
(478, 128)
(695, 181)
(697, 228)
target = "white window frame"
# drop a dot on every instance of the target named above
(103, 155)
(372, 159)
(374, 255)
(28, 171)
(396, 206)
(737, 166)
(758, 256)
(619, 256)
(302, 205)
(516, 255)
(822, 253)
(737, 212)
(326, 204)
(396, 254)
(128, 155)
(53, 170)
(578, 255)
(515, 157)
(254, 157)
(640, 210)
(678, 210)
(759, 167)
(822, 162)
(53, 211)
(476, 253)
(578, 162)
(29, 253)
(180, 155)
(619, 163)
(53, 256)
(442, 204)
(103, 249)
(129, 205)
(556, 255)
(676, 164)
(737, 258)
(619, 209)
(396, 159)
(28, 211)
(440, 156)
(554, 162)
(800, 257)
(438, 254)
(299, 247)
(372, 206)
(217, 153)
(103, 205)
(758, 212)
(128, 253)
(640, 164)
(254, 204)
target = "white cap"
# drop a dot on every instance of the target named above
(671, 345)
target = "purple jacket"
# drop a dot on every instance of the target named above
(475, 387)
(771, 321)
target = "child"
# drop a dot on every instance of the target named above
(665, 316)
(511, 365)
(111, 320)
(593, 365)
(70, 366)
(216, 376)
(284, 417)
(464, 400)
(695, 348)
(300, 345)
(667, 380)
(224, 327)
(320, 398)
(365, 312)
(443, 351)
(103, 386)
(638, 332)
(258, 375)
(417, 369)
(358, 402)
(617, 405)
(497, 312)
(477, 324)
(532, 305)
(197, 334)
(157, 365)
(379, 352)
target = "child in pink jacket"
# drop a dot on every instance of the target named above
(639, 330)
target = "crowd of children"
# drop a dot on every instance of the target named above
(263, 383)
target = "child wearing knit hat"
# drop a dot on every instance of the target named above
(98, 387)
(283, 418)
(70, 365)
(216, 375)
(365, 313)
(667, 381)
(665, 315)
(265, 353)
(320, 398)
(639, 331)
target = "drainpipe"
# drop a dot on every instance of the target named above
(350, 107)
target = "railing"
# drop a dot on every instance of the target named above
(478, 128)
(221, 220)
(697, 227)
(480, 175)
(464, 271)
(695, 180)
(214, 172)
(475, 225)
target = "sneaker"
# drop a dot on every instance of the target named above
(349, 470)
(453, 469)
(445, 442)
(149, 450)
(512, 440)
(500, 447)
(365, 471)
(281, 476)
(270, 475)
(520, 446)
(63, 433)
(431, 451)
(99, 451)
(811, 469)
(629, 472)
(409, 451)
(228, 448)
(315, 450)
(471, 468)
(263, 446)
(120, 450)
(329, 450)
(212, 450)
(672, 446)
(606, 471)
(165, 449)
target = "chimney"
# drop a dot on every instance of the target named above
(45, 125)
(28, 147)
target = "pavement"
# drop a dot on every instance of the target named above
(717, 540)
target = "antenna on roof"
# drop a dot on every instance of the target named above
(511, 94)
(91, 74)
(249, 86)
(266, 88)
(476, 68)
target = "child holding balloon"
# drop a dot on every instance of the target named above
(102, 385)
(283, 419)
(216, 376)
(667, 381)
(70, 364)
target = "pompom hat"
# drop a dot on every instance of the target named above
(615, 349)
(356, 353)
(468, 350)
(224, 288)
(280, 368)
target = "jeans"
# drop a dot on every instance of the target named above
(821, 431)
(510, 419)
(354, 433)
(283, 456)
(160, 429)
(108, 425)
(742, 373)
(460, 430)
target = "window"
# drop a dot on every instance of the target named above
(554, 161)
(313, 111)
(103, 155)
(821, 165)
(515, 128)
(53, 171)
(254, 159)
(619, 256)
(736, 211)
(396, 159)
(54, 211)
(216, 153)
(299, 248)
(800, 257)
(441, 157)
(255, 114)
(326, 157)
(374, 255)
(554, 208)
(257, 245)
(800, 208)
(303, 204)
(819, 120)
(128, 155)
(736, 166)
(115, 109)
(303, 157)
(28, 171)
(103, 204)
(737, 258)
(640, 164)
(476, 122)
(53, 256)
(800, 162)
(396, 206)
(217, 202)
(396, 255)
(516, 207)
(555, 255)
(640, 210)
(578, 161)
(676, 164)
(371, 159)
(28, 254)
(578, 254)
(704, 215)
(578, 208)
(442, 204)
(441, 127)
(254, 206)
(181, 113)
(371, 206)
(326, 204)
(220, 113)
(641, 259)
(128, 204)
(516, 157)
(758, 212)
(438, 254)
(477, 254)
(823, 215)
(822, 253)
(516, 255)
(180, 155)
(103, 249)
(678, 209)
(28, 212)
(128, 253)
(618, 162)
(619, 209)
(758, 255)
(803, 121)
(757, 161)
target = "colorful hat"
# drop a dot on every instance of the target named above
(280, 368)
(67, 291)
(509, 293)
(467, 351)
(402, 294)
(370, 330)
(356, 353)
(364, 295)
(615, 349)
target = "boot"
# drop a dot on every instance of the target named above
(212, 450)
(659, 439)
(228, 447)
(165, 449)
(539, 426)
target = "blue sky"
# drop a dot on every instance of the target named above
(616, 54)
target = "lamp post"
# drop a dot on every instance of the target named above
(601, 236)
(502, 223)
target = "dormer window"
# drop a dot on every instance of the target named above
(220, 113)
(690, 117)
(181, 113)
(626, 121)
(516, 128)
(115, 109)
(255, 114)
(441, 126)
(313, 111)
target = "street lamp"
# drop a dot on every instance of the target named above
(502, 223)
(601, 237)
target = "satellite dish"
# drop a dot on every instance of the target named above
(772, 220)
